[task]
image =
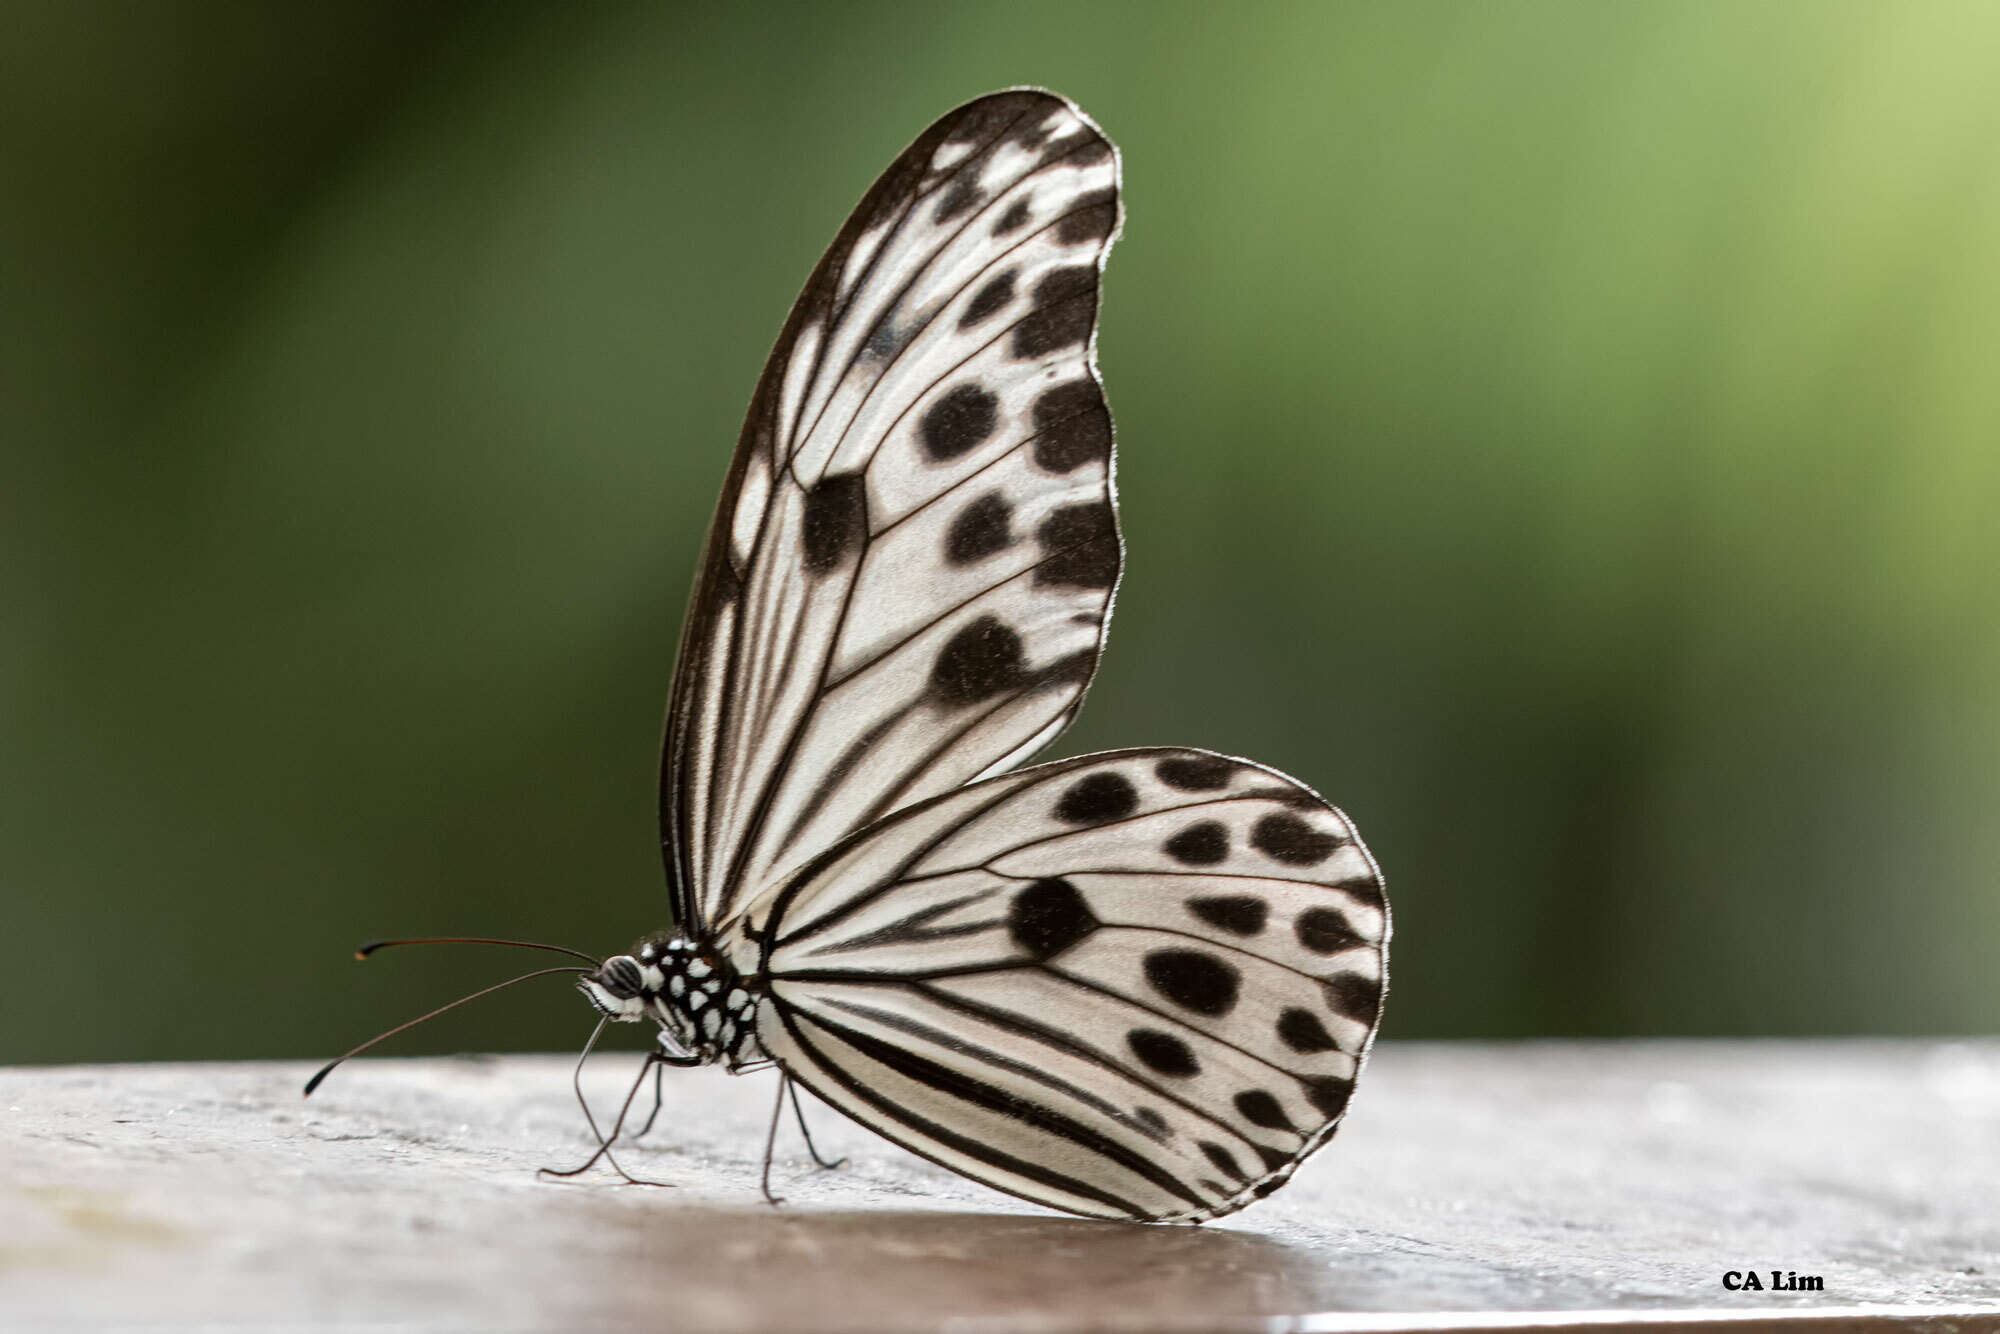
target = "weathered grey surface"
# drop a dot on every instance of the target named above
(1470, 1178)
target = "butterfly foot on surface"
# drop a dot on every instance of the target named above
(568, 1175)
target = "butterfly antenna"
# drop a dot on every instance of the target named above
(370, 947)
(327, 1069)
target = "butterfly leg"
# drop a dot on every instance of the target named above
(799, 1113)
(604, 1142)
(659, 1073)
(771, 1140)
(576, 1083)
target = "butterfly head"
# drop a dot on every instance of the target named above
(625, 985)
(620, 987)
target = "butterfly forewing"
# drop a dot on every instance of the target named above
(1132, 985)
(911, 566)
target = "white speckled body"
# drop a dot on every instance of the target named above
(698, 999)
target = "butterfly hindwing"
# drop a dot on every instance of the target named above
(1134, 985)
(908, 577)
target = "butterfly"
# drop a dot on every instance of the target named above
(1132, 985)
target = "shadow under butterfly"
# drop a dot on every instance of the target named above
(1133, 985)
(994, 1268)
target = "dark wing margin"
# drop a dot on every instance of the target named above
(911, 566)
(1138, 984)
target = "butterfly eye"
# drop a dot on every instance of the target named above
(621, 977)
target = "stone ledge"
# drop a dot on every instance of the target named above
(1474, 1186)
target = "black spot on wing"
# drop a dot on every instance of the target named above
(1357, 997)
(1015, 218)
(979, 530)
(1286, 838)
(1163, 1053)
(962, 197)
(1328, 1094)
(959, 421)
(1205, 843)
(1238, 914)
(885, 340)
(1155, 1124)
(1326, 931)
(987, 300)
(1194, 980)
(1090, 218)
(1273, 1160)
(1081, 542)
(982, 660)
(1098, 798)
(1223, 1159)
(835, 522)
(1195, 773)
(1072, 427)
(1065, 309)
(1048, 917)
(1302, 1031)
(1261, 1109)
(1367, 888)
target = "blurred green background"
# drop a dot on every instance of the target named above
(1565, 434)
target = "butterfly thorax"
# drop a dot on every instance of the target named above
(696, 997)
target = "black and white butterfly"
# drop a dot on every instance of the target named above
(1134, 985)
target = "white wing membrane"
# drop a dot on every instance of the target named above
(912, 563)
(1134, 985)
